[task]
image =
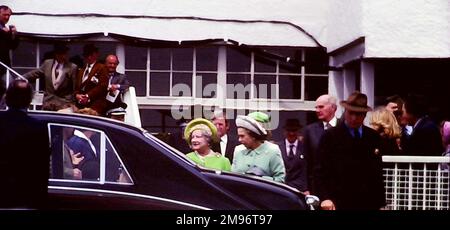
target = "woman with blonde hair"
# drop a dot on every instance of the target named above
(384, 122)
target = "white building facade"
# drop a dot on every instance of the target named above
(284, 53)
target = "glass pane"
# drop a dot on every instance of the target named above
(207, 58)
(46, 51)
(136, 57)
(105, 49)
(115, 170)
(24, 55)
(238, 61)
(315, 86)
(289, 68)
(265, 65)
(208, 88)
(291, 87)
(159, 59)
(238, 86)
(185, 89)
(182, 59)
(159, 84)
(266, 86)
(76, 54)
(139, 81)
(152, 119)
(316, 61)
(75, 146)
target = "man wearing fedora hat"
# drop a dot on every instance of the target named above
(349, 172)
(293, 156)
(59, 77)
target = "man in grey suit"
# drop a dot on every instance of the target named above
(118, 84)
(325, 110)
(59, 77)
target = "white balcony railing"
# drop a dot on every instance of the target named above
(416, 183)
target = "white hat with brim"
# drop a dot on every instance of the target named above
(250, 124)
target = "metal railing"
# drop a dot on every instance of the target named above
(416, 182)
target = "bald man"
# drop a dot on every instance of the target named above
(326, 113)
(118, 84)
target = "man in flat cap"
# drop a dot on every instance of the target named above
(349, 172)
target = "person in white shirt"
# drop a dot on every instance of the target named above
(293, 156)
(227, 143)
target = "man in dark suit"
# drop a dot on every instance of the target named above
(325, 110)
(425, 139)
(293, 156)
(92, 82)
(59, 77)
(81, 144)
(349, 174)
(118, 84)
(25, 152)
(227, 142)
(8, 41)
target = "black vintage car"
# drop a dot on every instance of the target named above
(137, 171)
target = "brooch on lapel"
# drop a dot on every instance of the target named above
(94, 79)
(376, 152)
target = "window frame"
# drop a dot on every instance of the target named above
(102, 148)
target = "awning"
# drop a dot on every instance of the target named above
(172, 29)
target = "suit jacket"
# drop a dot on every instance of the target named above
(7, 43)
(121, 79)
(89, 166)
(311, 139)
(62, 94)
(296, 167)
(349, 171)
(24, 160)
(425, 140)
(95, 86)
(229, 149)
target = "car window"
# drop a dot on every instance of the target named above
(84, 154)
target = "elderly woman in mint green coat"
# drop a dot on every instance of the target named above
(256, 156)
(199, 134)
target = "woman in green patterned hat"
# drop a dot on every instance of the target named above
(199, 134)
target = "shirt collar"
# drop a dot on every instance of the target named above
(352, 130)
(332, 122)
(82, 136)
(260, 148)
(224, 138)
(289, 143)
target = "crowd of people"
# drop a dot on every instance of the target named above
(66, 86)
(336, 159)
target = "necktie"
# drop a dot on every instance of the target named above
(86, 74)
(356, 133)
(328, 126)
(291, 151)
